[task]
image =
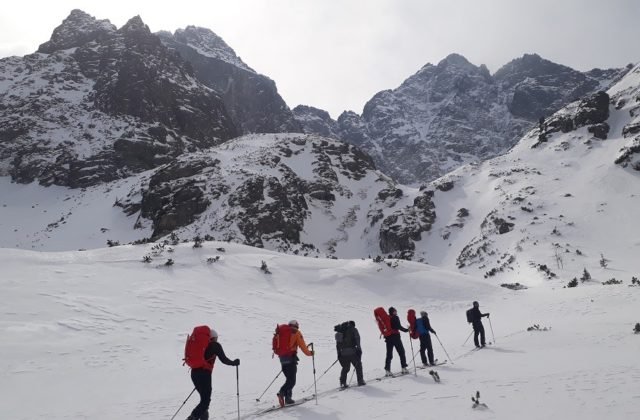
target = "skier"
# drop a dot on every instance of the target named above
(423, 326)
(291, 341)
(201, 377)
(349, 351)
(394, 340)
(474, 316)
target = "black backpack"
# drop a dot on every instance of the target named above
(345, 336)
(469, 315)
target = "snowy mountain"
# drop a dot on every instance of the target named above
(251, 98)
(100, 334)
(560, 201)
(454, 113)
(96, 103)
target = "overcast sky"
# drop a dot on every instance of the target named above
(336, 54)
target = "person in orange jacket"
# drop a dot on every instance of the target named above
(289, 363)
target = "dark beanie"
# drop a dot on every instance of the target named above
(392, 310)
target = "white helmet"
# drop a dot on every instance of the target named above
(294, 323)
(214, 333)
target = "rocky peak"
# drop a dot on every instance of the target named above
(207, 43)
(317, 120)
(457, 61)
(135, 24)
(76, 30)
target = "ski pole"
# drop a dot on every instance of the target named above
(415, 369)
(445, 350)
(238, 389)
(465, 341)
(323, 373)
(313, 358)
(352, 373)
(492, 335)
(265, 391)
(185, 401)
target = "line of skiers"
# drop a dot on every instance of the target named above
(202, 348)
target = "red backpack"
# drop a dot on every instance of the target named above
(384, 321)
(281, 343)
(195, 347)
(411, 317)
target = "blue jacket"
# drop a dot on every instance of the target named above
(423, 326)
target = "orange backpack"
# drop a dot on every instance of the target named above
(281, 343)
(411, 317)
(384, 321)
(195, 347)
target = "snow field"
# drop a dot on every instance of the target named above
(99, 334)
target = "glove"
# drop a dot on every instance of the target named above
(434, 332)
(236, 362)
(488, 314)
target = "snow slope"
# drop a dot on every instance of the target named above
(99, 334)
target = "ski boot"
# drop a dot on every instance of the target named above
(387, 373)
(404, 370)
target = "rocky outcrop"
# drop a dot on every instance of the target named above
(99, 103)
(454, 112)
(251, 98)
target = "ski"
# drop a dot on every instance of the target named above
(435, 375)
(393, 375)
(277, 407)
(431, 366)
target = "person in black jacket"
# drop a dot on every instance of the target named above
(423, 326)
(476, 320)
(394, 340)
(201, 377)
(349, 351)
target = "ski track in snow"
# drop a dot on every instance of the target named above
(99, 334)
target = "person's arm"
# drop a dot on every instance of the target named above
(395, 324)
(218, 351)
(301, 344)
(429, 328)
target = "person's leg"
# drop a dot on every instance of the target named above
(476, 332)
(429, 349)
(423, 347)
(387, 361)
(400, 350)
(482, 341)
(201, 379)
(357, 364)
(288, 370)
(346, 366)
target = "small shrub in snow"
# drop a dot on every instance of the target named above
(463, 212)
(573, 283)
(170, 250)
(637, 328)
(578, 252)
(378, 259)
(212, 260)
(550, 274)
(585, 276)
(169, 262)
(612, 281)
(536, 327)
(221, 250)
(197, 242)
(556, 232)
(173, 239)
(635, 282)
(603, 261)
(112, 243)
(476, 402)
(146, 259)
(393, 264)
(208, 237)
(264, 268)
(513, 286)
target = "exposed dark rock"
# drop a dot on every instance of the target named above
(592, 110)
(599, 131)
(399, 230)
(445, 186)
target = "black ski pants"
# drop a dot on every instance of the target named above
(201, 379)
(425, 344)
(478, 329)
(394, 341)
(346, 362)
(290, 371)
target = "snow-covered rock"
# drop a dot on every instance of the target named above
(454, 113)
(98, 104)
